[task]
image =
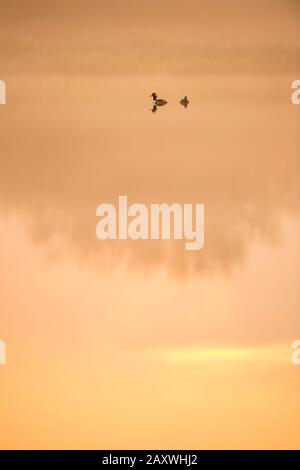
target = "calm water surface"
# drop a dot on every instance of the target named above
(148, 342)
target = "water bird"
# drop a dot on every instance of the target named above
(184, 102)
(158, 101)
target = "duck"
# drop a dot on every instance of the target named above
(158, 101)
(184, 102)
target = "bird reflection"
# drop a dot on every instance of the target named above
(157, 102)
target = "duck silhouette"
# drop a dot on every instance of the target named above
(184, 102)
(158, 101)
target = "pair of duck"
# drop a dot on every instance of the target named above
(160, 102)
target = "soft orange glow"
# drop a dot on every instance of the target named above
(227, 354)
(140, 344)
